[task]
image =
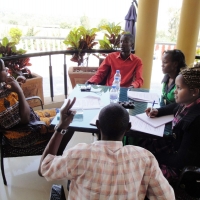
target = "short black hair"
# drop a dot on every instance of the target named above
(130, 36)
(113, 120)
(177, 55)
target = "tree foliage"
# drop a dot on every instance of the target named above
(173, 24)
(15, 34)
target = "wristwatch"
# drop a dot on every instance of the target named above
(59, 130)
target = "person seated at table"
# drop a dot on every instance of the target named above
(130, 66)
(15, 113)
(104, 169)
(172, 62)
(184, 149)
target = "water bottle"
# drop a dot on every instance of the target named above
(118, 75)
(113, 95)
(116, 82)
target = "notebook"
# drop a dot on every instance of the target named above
(157, 121)
(93, 121)
(139, 125)
(143, 96)
(88, 102)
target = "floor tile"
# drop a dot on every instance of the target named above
(24, 183)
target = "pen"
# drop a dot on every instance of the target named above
(152, 105)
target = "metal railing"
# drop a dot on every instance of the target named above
(159, 48)
(64, 53)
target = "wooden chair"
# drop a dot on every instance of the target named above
(7, 150)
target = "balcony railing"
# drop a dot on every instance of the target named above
(43, 46)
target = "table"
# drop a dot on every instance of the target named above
(103, 92)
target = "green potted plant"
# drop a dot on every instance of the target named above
(80, 39)
(18, 67)
(111, 38)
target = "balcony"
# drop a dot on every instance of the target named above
(48, 60)
(52, 65)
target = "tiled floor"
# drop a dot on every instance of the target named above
(24, 183)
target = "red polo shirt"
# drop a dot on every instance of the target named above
(130, 70)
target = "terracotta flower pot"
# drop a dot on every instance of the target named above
(79, 75)
(34, 87)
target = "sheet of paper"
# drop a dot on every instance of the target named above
(88, 102)
(157, 121)
(93, 121)
(143, 96)
(139, 125)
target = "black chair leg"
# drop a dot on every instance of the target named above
(2, 167)
(68, 184)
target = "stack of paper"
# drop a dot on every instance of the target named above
(142, 123)
(157, 121)
(139, 125)
(88, 102)
(143, 96)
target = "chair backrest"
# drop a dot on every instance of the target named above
(57, 193)
(34, 101)
(190, 181)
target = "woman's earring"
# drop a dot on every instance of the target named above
(193, 95)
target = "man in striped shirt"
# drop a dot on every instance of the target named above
(105, 169)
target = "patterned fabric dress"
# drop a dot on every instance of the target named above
(23, 137)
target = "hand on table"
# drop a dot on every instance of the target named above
(130, 87)
(89, 83)
(151, 112)
(66, 115)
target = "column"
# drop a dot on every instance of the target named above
(189, 29)
(145, 36)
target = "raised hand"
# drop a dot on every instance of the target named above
(12, 84)
(21, 80)
(66, 115)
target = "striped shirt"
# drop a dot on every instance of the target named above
(107, 170)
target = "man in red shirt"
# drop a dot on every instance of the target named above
(130, 66)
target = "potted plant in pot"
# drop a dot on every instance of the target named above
(80, 39)
(111, 38)
(19, 67)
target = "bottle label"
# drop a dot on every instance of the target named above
(113, 96)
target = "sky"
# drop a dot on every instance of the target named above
(110, 9)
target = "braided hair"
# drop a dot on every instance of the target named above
(177, 55)
(191, 76)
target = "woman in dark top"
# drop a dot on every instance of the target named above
(172, 62)
(184, 149)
